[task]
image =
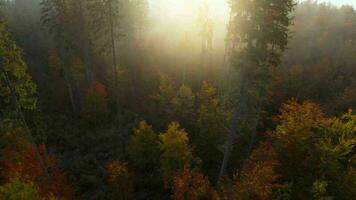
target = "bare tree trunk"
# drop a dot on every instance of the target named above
(254, 126)
(239, 115)
(70, 91)
(114, 59)
(86, 43)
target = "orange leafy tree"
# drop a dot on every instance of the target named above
(295, 135)
(95, 104)
(192, 185)
(33, 165)
(121, 181)
(258, 179)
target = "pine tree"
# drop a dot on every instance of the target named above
(106, 31)
(259, 32)
(59, 17)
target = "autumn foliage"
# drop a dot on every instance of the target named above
(120, 180)
(95, 104)
(258, 179)
(176, 152)
(33, 165)
(116, 100)
(191, 184)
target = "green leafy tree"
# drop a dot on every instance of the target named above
(337, 156)
(14, 74)
(18, 94)
(144, 149)
(17, 190)
(163, 101)
(212, 122)
(144, 156)
(320, 151)
(183, 105)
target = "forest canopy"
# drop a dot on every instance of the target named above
(183, 100)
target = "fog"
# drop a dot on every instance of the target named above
(172, 21)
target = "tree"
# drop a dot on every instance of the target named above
(206, 33)
(323, 70)
(183, 105)
(134, 23)
(260, 33)
(296, 134)
(212, 122)
(163, 100)
(95, 104)
(18, 94)
(14, 74)
(144, 157)
(258, 179)
(24, 165)
(121, 181)
(337, 154)
(17, 190)
(106, 33)
(192, 185)
(320, 151)
(62, 18)
(176, 152)
(144, 149)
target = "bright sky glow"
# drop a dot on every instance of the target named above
(341, 2)
(185, 9)
(176, 18)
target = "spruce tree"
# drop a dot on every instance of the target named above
(258, 33)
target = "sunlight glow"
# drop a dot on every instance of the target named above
(177, 18)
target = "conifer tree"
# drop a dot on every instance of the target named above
(62, 17)
(259, 32)
(106, 31)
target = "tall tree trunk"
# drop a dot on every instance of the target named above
(239, 115)
(70, 91)
(114, 59)
(86, 44)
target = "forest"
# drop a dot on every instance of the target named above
(118, 100)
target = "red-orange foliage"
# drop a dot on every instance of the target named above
(295, 134)
(258, 179)
(121, 181)
(94, 104)
(32, 164)
(192, 185)
(307, 115)
(98, 88)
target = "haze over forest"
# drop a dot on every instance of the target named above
(177, 99)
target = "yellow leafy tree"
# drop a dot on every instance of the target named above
(176, 152)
